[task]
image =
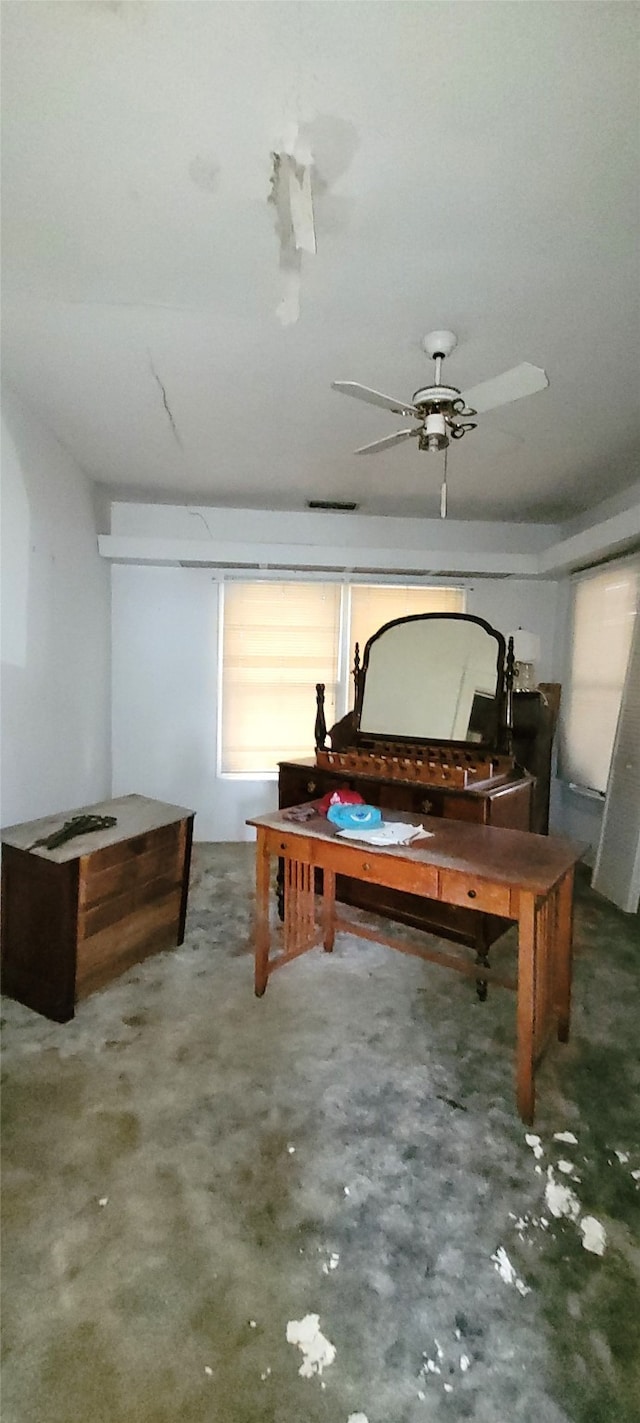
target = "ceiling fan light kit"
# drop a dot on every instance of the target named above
(443, 413)
(434, 436)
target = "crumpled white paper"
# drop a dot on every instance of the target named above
(390, 832)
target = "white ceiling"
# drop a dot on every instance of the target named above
(477, 167)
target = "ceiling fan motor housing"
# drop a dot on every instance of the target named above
(436, 395)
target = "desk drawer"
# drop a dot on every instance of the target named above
(368, 868)
(475, 893)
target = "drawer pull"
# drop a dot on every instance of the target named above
(471, 893)
(311, 787)
(366, 865)
(426, 806)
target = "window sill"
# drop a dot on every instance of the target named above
(247, 776)
(586, 791)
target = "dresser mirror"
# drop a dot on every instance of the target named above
(433, 677)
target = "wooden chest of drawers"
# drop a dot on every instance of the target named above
(506, 804)
(75, 917)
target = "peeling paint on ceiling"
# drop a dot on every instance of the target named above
(291, 196)
(311, 158)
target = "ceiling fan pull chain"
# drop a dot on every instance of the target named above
(443, 490)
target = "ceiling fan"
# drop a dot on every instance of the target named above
(442, 412)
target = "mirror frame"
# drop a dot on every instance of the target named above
(500, 736)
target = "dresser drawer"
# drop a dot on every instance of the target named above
(474, 893)
(427, 801)
(296, 787)
(473, 809)
(132, 864)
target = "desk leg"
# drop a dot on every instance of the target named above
(563, 953)
(261, 927)
(527, 969)
(328, 911)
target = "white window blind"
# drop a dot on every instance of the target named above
(279, 639)
(617, 868)
(604, 608)
(373, 605)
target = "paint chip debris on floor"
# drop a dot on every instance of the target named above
(316, 1350)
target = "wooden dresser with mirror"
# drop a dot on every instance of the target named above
(434, 731)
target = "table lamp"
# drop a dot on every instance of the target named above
(526, 651)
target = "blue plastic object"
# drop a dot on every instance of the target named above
(354, 817)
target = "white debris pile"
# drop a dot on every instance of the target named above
(561, 1201)
(624, 1158)
(317, 1351)
(507, 1271)
(567, 1169)
(521, 1223)
(434, 1364)
(593, 1235)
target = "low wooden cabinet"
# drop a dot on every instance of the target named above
(75, 917)
(534, 722)
(506, 805)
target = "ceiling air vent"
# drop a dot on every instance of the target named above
(334, 505)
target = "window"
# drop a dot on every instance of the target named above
(604, 607)
(279, 640)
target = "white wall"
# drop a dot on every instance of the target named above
(511, 603)
(165, 700)
(578, 815)
(165, 687)
(55, 628)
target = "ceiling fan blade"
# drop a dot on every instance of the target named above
(388, 441)
(374, 397)
(511, 385)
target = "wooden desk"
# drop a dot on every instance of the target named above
(504, 802)
(75, 917)
(528, 878)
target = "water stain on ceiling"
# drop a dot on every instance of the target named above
(204, 171)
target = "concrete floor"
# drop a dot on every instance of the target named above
(186, 1170)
